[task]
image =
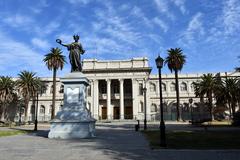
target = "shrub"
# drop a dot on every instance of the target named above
(236, 119)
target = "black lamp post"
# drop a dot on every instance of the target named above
(145, 108)
(191, 107)
(36, 115)
(159, 63)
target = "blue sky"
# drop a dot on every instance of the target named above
(206, 30)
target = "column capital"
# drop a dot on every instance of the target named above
(108, 80)
(121, 80)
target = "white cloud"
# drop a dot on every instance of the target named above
(18, 20)
(116, 26)
(79, 1)
(47, 29)
(38, 8)
(16, 56)
(231, 16)
(157, 39)
(66, 38)
(138, 12)
(163, 7)
(161, 24)
(194, 30)
(42, 44)
(29, 24)
(181, 5)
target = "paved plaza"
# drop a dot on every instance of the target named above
(116, 141)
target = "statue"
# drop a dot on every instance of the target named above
(75, 51)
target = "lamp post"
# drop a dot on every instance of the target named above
(145, 108)
(36, 115)
(159, 63)
(190, 102)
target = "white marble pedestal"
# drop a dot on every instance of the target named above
(74, 120)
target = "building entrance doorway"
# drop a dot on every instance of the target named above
(128, 112)
(104, 112)
(116, 113)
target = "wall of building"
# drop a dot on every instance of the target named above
(136, 74)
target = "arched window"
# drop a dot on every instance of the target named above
(141, 108)
(164, 88)
(61, 89)
(153, 108)
(183, 86)
(152, 87)
(172, 87)
(42, 109)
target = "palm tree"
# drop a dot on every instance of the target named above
(7, 94)
(54, 60)
(231, 93)
(27, 84)
(206, 86)
(175, 61)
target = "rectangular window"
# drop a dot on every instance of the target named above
(103, 89)
(116, 88)
(140, 89)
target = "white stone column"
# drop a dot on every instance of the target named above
(95, 93)
(121, 99)
(135, 98)
(148, 105)
(109, 113)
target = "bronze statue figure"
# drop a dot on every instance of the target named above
(75, 51)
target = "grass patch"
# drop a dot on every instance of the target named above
(196, 139)
(11, 133)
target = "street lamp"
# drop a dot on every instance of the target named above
(145, 108)
(159, 63)
(190, 102)
(36, 115)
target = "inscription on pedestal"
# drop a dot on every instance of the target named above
(73, 95)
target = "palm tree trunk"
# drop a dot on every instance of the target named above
(54, 93)
(230, 110)
(233, 107)
(177, 94)
(26, 110)
(210, 106)
(3, 112)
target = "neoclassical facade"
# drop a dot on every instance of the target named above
(122, 89)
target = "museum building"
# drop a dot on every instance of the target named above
(121, 90)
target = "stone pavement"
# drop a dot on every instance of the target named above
(113, 141)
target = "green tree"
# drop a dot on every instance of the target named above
(231, 93)
(175, 61)
(7, 94)
(27, 85)
(206, 87)
(54, 61)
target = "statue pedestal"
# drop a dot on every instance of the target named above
(74, 120)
